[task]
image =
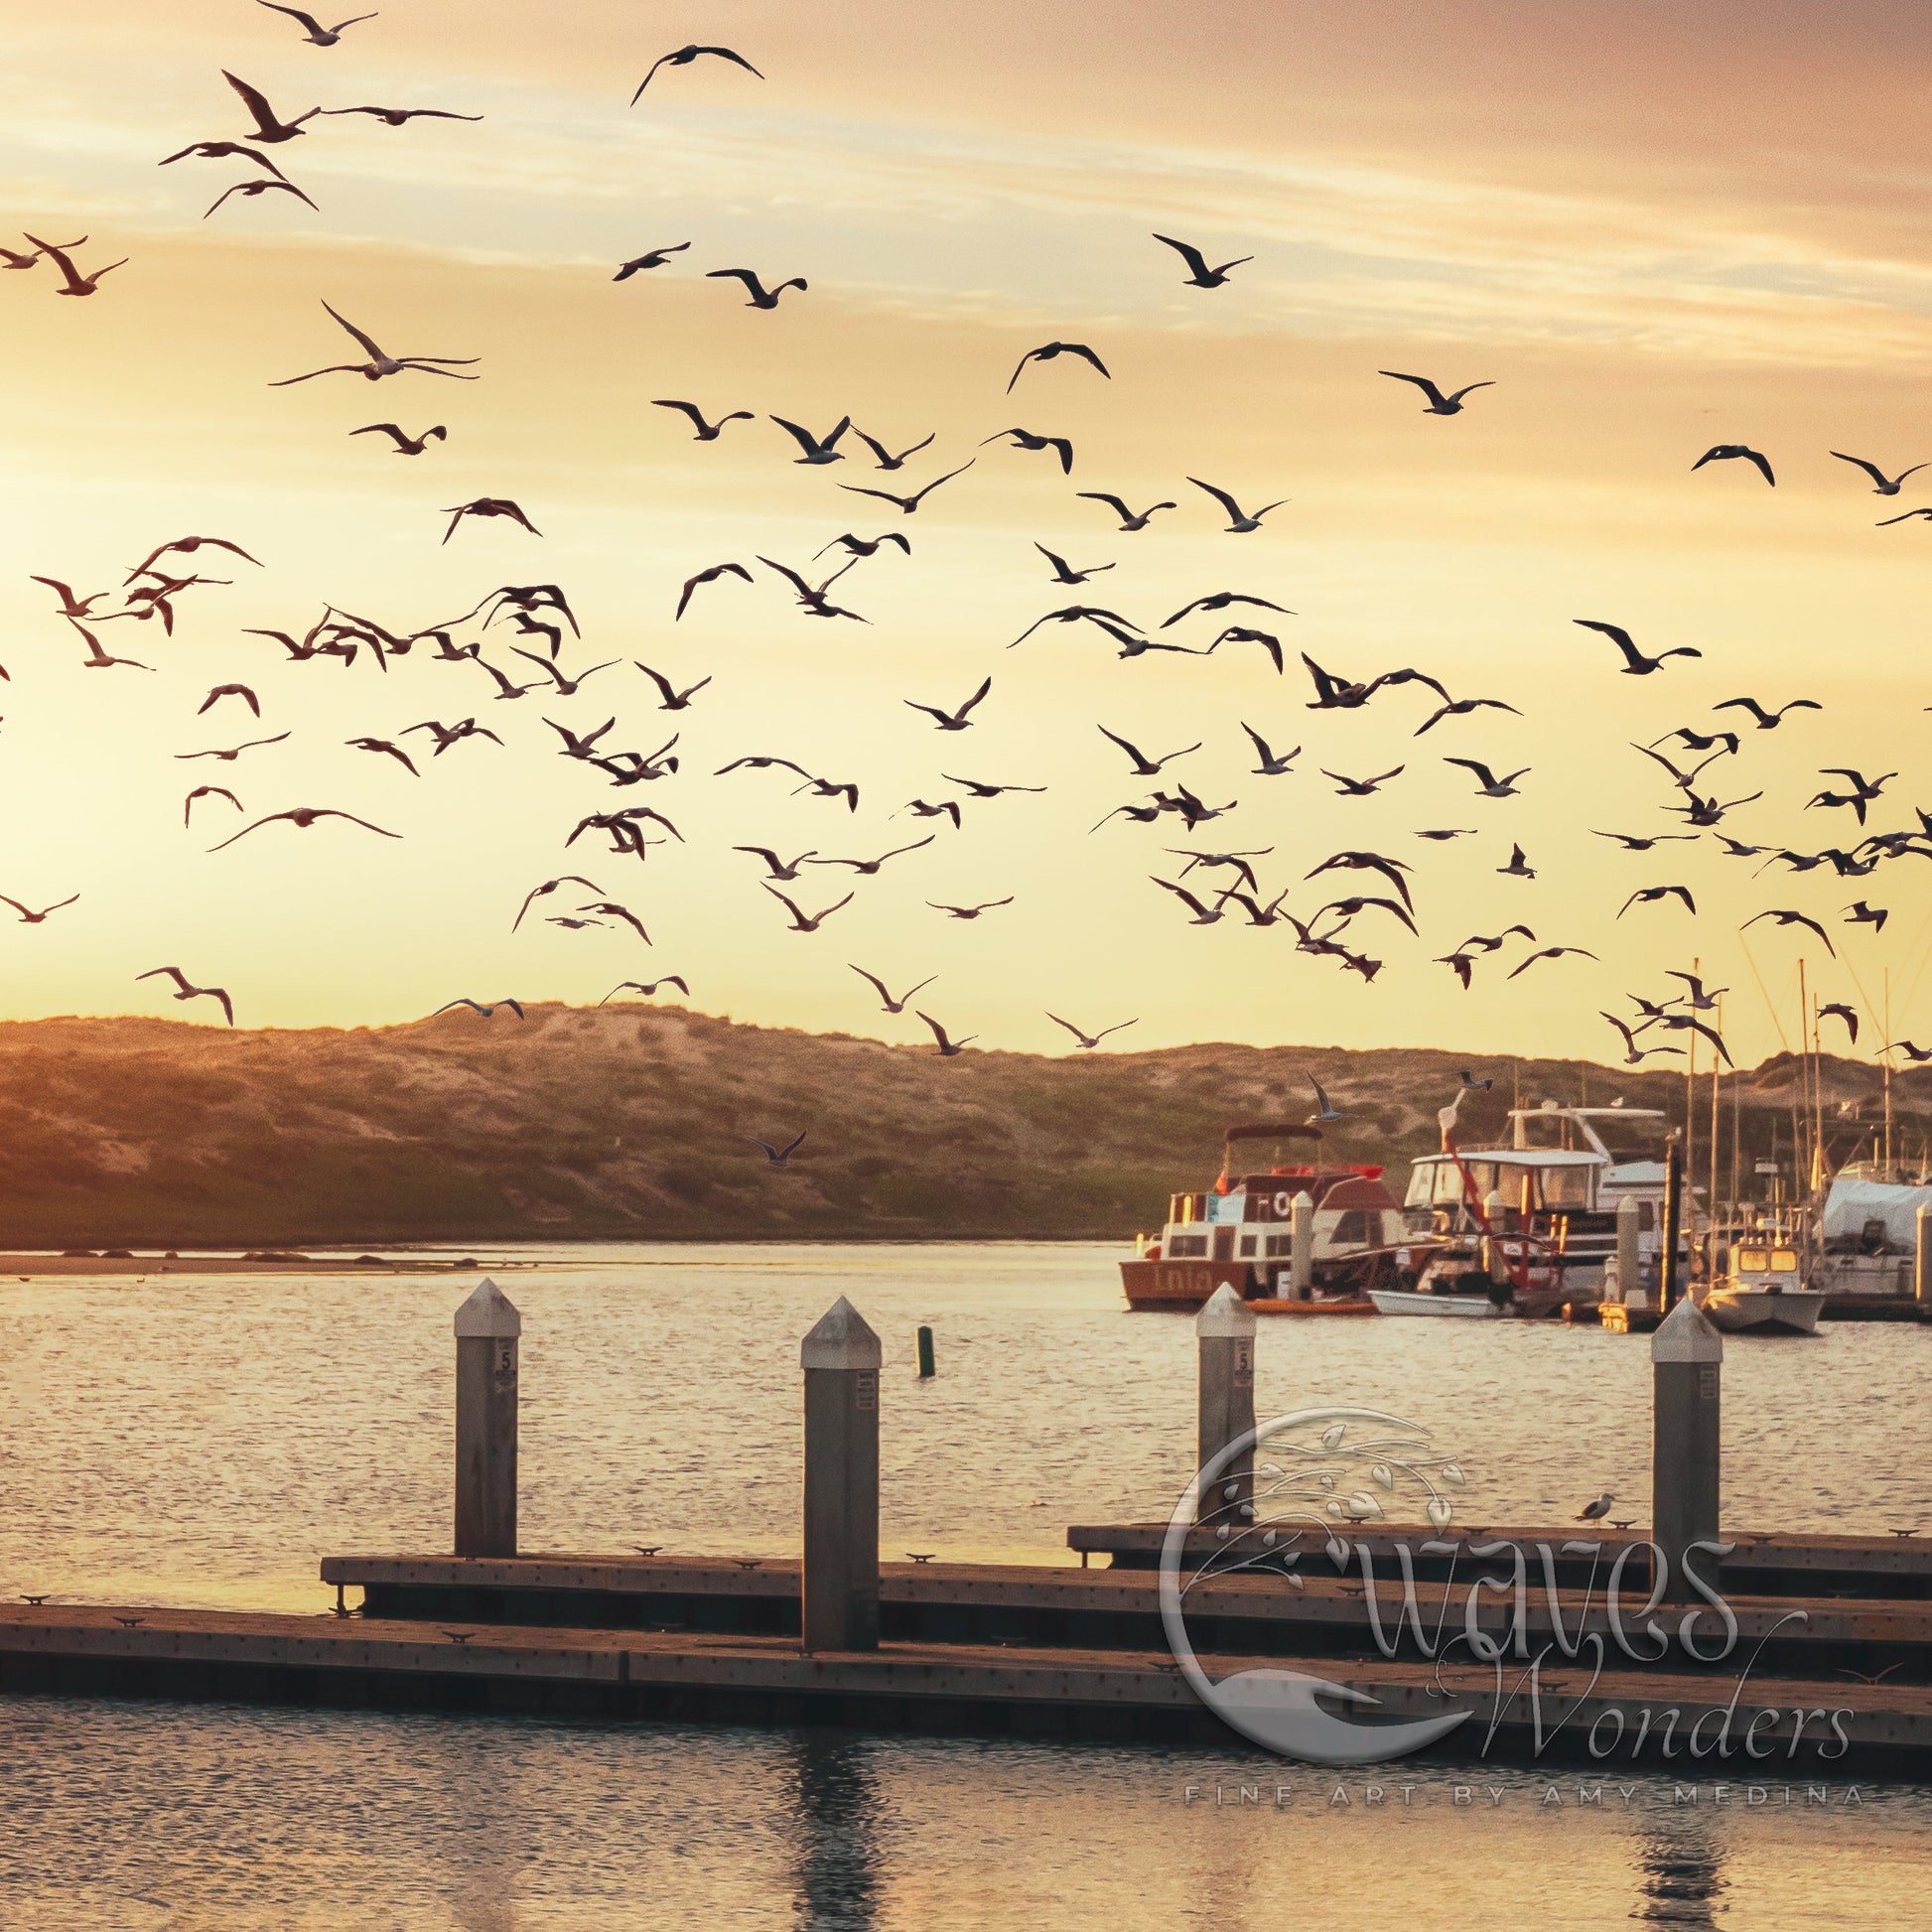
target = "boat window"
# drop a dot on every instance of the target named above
(1783, 1262)
(1422, 1179)
(1351, 1228)
(1449, 1183)
(1647, 1217)
(1565, 1187)
(1751, 1261)
(1247, 1244)
(1181, 1246)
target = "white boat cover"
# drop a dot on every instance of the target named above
(1850, 1204)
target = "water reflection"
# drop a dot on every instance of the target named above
(1680, 1869)
(840, 1826)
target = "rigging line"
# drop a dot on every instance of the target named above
(1768, 1007)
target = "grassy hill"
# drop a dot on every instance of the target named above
(628, 1123)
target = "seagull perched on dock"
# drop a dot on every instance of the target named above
(1596, 1511)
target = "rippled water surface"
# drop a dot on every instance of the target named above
(206, 1441)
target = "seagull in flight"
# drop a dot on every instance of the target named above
(710, 431)
(683, 59)
(405, 445)
(908, 504)
(380, 363)
(1025, 439)
(188, 991)
(1325, 1109)
(884, 459)
(1064, 573)
(1489, 786)
(887, 1003)
(1635, 663)
(949, 1048)
(1129, 519)
(1726, 452)
(250, 189)
(710, 576)
(651, 258)
(1046, 353)
(74, 283)
(1882, 486)
(802, 921)
(476, 1006)
(1548, 952)
(1240, 521)
(302, 817)
(316, 33)
(952, 721)
(1651, 894)
(761, 296)
(1767, 720)
(545, 890)
(1784, 917)
(817, 449)
(778, 1156)
(1144, 766)
(1272, 766)
(969, 911)
(645, 987)
(402, 116)
(1088, 1042)
(1199, 275)
(268, 128)
(29, 918)
(1633, 1055)
(1439, 404)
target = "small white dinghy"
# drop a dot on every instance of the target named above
(1762, 1294)
(1395, 1301)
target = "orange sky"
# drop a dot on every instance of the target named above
(1652, 228)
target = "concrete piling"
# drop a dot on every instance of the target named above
(1629, 1277)
(1300, 1247)
(1225, 1336)
(1687, 1366)
(839, 1584)
(487, 1329)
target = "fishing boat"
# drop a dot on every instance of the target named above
(1240, 1232)
(1762, 1291)
(1530, 1227)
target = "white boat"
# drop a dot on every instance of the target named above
(1762, 1294)
(1395, 1301)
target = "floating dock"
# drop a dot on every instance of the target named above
(1070, 1692)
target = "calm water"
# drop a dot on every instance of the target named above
(208, 1442)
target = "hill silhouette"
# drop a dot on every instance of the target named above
(630, 1123)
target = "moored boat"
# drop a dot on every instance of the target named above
(1240, 1232)
(1762, 1291)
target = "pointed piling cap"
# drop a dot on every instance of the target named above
(1687, 1334)
(841, 1340)
(1225, 1315)
(1628, 1205)
(489, 1312)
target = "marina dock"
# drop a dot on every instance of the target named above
(91, 1650)
(1525, 1632)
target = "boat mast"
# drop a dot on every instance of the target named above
(1717, 1080)
(1803, 1153)
(1885, 1059)
(1691, 1116)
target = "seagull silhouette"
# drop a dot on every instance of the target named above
(1726, 451)
(778, 1156)
(683, 59)
(186, 990)
(1439, 404)
(1046, 353)
(1199, 275)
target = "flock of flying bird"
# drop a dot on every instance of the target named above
(535, 623)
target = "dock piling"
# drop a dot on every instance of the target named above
(1667, 1276)
(1300, 1247)
(1687, 1366)
(926, 1369)
(839, 1581)
(1922, 1262)
(1225, 1336)
(487, 1329)
(1628, 1266)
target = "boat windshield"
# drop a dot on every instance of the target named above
(1756, 1261)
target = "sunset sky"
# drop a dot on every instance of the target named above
(1653, 227)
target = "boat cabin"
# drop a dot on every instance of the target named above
(1564, 1175)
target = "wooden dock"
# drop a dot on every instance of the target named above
(93, 1650)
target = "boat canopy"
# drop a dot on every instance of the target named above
(1852, 1203)
(1554, 1177)
(1272, 1130)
